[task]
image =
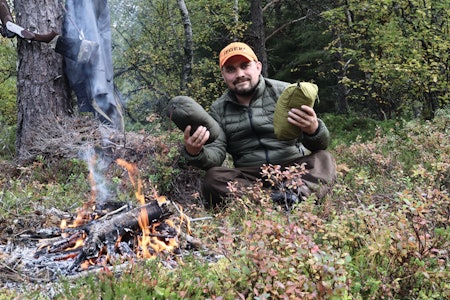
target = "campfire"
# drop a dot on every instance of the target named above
(104, 235)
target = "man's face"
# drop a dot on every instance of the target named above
(241, 75)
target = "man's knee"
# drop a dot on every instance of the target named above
(210, 179)
(212, 187)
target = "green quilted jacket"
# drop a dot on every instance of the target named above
(248, 134)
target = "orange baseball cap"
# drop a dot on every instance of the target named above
(234, 49)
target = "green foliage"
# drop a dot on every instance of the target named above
(8, 110)
(347, 129)
(151, 280)
(162, 166)
(150, 64)
(395, 245)
(296, 53)
(162, 162)
(7, 140)
(205, 89)
(274, 257)
(387, 59)
(216, 23)
(8, 57)
(414, 149)
(400, 47)
(61, 185)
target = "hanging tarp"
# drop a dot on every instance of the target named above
(92, 81)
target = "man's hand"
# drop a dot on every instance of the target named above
(305, 118)
(194, 143)
(6, 33)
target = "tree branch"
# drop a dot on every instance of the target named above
(271, 3)
(284, 26)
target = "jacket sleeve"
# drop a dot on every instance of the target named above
(212, 154)
(319, 140)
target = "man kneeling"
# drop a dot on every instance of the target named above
(245, 113)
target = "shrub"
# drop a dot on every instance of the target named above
(273, 257)
(391, 210)
(7, 140)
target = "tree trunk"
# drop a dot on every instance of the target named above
(257, 34)
(42, 90)
(188, 45)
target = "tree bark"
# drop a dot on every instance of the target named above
(42, 90)
(188, 46)
(257, 34)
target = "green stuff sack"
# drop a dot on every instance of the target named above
(184, 111)
(293, 96)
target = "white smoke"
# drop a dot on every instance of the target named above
(97, 166)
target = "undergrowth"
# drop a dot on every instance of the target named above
(381, 233)
(7, 139)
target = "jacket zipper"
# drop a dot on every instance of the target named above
(250, 117)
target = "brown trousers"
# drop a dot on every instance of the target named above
(321, 174)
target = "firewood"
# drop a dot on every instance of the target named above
(51, 246)
(107, 231)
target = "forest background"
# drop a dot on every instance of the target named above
(383, 74)
(383, 59)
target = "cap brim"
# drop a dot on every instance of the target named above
(248, 57)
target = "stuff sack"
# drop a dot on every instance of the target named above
(184, 111)
(293, 96)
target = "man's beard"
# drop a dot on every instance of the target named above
(245, 92)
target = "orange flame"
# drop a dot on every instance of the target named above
(144, 241)
(149, 242)
(86, 264)
(135, 179)
(63, 224)
(79, 243)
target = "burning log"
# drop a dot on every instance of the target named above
(110, 242)
(106, 232)
(65, 243)
(107, 235)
